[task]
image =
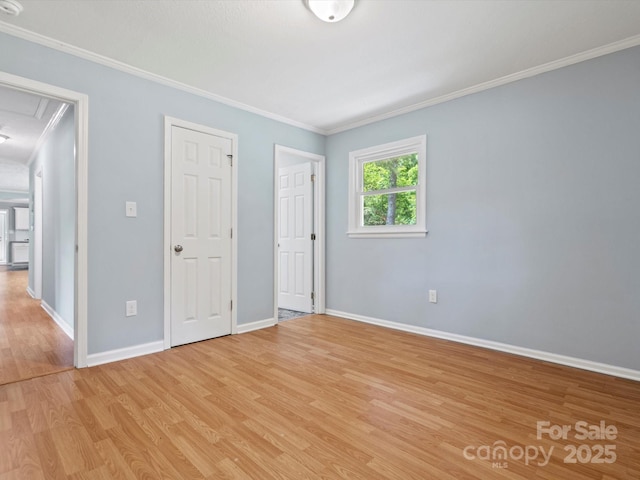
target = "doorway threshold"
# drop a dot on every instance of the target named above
(284, 314)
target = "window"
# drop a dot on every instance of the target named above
(387, 190)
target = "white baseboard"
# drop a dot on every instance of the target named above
(155, 347)
(502, 347)
(31, 293)
(250, 327)
(124, 353)
(66, 328)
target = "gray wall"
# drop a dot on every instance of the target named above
(531, 203)
(533, 191)
(57, 159)
(126, 163)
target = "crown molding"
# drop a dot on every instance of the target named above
(53, 123)
(514, 77)
(138, 72)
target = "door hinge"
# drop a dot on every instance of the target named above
(313, 177)
(231, 305)
(313, 236)
(231, 233)
(230, 157)
(313, 296)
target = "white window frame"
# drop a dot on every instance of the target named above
(357, 159)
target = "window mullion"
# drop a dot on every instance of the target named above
(389, 191)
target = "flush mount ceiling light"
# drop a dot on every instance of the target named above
(10, 7)
(329, 10)
(3, 138)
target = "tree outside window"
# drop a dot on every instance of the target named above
(387, 189)
(391, 191)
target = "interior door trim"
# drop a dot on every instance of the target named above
(4, 233)
(170, 122)
(80, 102)
(318, 225)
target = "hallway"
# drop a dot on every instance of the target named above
(31, 344)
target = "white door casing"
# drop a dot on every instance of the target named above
(285, 156)
(201, 262)
(3, 236)
(295, 246)
(37, 235)
(80, 102)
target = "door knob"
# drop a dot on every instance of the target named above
(178, 248)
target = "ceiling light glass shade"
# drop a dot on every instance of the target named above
(330, 10)
(3, 138)
(10, 7)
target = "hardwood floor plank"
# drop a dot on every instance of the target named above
(31, 343)
(293, 447)
(313, 398)
(114, 463)
(136, 457)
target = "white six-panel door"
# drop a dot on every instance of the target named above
(200, 236)
(295, 251)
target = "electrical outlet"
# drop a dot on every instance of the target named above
(131, 308)
(433, 296)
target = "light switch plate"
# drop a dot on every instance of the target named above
(131, 209)
(433, 296)
(131, 308)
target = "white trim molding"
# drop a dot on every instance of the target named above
(124, 353)
(319, 225)
(138, 72)
(66, 328)
(50, 127)
(514, 77)
(252, 326)
(81, 114)
(565, 360)
(123, 67)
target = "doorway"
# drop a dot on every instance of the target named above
(78, 246)
(298, 233)
(200, 218)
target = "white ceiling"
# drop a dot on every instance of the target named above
(275, 56)
(25, 118)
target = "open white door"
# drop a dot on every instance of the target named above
(295, 244)
(201, 220)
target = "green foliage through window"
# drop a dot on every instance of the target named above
(397, 207)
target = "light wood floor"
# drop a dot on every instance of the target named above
(31, 344)
(313, 398)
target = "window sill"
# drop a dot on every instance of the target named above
(396, 234)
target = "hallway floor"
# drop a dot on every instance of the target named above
(31, 344)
